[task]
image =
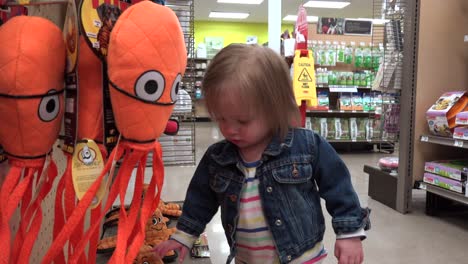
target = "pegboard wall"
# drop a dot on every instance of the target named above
(44, 238)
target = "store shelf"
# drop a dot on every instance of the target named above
(447, 194)
(341, 112)
(373, 141)
(320, 86)
(445, 141)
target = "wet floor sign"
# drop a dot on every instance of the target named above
(304, 79)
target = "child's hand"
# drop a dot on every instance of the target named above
(349, 251)
(166, 246)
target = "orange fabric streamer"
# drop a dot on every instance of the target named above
(90, 126)
(146, 61)
(32, 66)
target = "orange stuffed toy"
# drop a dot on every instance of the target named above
(90, 126)
(146, 61)
(32, 66)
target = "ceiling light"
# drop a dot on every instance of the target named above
(327, 4)
(375, 21)
(245, 2)
(294, 18)
(229, 15)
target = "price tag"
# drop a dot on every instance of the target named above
(354, 140)
(424, 138)
(342, 111)
(330, 111)
(458, 143)
(353, 111)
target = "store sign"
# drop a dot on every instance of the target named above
(330, 25)
(358, 27)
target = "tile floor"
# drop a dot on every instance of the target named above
(394, 238)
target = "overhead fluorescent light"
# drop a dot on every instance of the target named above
(310, 19)
(375, 21)
(244, 2)
(228, 15)
(327, 4)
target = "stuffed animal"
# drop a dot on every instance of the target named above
(145, 67)
(32, 67)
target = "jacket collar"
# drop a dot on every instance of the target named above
(228, 153)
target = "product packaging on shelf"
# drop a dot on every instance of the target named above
(331, 128)
(357, 128)
(441, 116)
(461, 132)
(308, 123)
(323, 124)
(462, 119)
(342, 126)
(367, 102)
(345, 103)
(454, 169)
(445, 183)
(323, 102)
(357, 104)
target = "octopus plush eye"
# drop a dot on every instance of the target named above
(155, 221)
(150, 86)
(49, 107)
(175, 87)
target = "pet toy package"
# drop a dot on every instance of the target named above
(445, 183)
(454, 169)
(462, 119)
(461, 132)
(442, 115)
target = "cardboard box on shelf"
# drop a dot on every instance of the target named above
(461, 133)
(462, 118)
(454, 169)
(443, 182)
(442, 115)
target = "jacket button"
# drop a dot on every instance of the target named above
(289, 258)
(269, 189)
(295, 173)
(233, 197)
(278, 222)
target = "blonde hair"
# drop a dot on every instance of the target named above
(257, 77)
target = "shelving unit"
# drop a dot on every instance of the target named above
(179, 150)
(340, 112)
(435, 196)
(196, 71)
(451, 142)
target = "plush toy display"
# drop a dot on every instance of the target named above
(90, 126)
(32, 66)
(146, 61)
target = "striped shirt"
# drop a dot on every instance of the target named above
(255, 242)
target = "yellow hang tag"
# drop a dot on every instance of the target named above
(87, 165)
(304, 79)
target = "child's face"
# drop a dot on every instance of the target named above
(247, 130)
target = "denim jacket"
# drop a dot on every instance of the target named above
(293, 175)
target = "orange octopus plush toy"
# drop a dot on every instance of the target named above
(146, 61)
(32, 67)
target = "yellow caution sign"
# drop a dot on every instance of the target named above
(304, 79)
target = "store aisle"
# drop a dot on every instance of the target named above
(393, 239)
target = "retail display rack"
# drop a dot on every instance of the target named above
(399, 38)
(180, 149)
(435, 195)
